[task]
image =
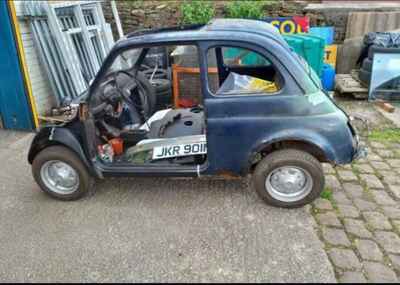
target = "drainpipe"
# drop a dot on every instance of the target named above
(116, 17)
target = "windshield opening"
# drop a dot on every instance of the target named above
(125, 60)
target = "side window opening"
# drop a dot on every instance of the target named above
(240, 71)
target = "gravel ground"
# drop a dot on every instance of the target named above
(150, 230)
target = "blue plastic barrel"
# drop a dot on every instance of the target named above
(328, 77)
(327, 33)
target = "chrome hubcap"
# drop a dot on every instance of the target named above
(289, 183)
(59, 177)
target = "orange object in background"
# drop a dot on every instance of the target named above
(176, 70)
(117, 145)
(186, 103)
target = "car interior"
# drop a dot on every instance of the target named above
(139, 121)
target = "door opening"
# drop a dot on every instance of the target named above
(148, 109)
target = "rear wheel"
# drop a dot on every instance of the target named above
(60, 173)
(289, 178)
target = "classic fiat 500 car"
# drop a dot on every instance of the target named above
(247, 104)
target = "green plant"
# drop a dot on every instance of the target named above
(245, 9)
(326, 194)
(387, 135)
(196, 12)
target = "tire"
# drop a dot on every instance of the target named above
(297, 160)
(67, 156)
(377, 49)
(160, 73)
(367, 64)
(164, 100)
(161, 85)
(150, 93)
(364, 76)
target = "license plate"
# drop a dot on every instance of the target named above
(179, 150)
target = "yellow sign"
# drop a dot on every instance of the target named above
(330, 55)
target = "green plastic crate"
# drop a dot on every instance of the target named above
(310, 47)
(251, 58)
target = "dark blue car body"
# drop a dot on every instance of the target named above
(238, 127)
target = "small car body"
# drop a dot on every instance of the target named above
(280, 133)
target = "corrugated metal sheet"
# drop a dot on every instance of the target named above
(41, 90)
(360, 23)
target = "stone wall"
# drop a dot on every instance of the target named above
(137, 14)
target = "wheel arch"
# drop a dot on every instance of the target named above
(321, 151)
(51, 136)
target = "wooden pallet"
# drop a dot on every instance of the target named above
(350, 84)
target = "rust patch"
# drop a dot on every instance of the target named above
(227, 174)
(83, 112)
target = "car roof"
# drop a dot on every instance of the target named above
(241, 25)
(235, 28)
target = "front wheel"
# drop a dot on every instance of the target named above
(289, 178)
(60, 173)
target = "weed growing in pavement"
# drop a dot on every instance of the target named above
(387, 135)
(327, 194)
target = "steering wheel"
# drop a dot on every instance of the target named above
(134, 89)
(134, 93)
